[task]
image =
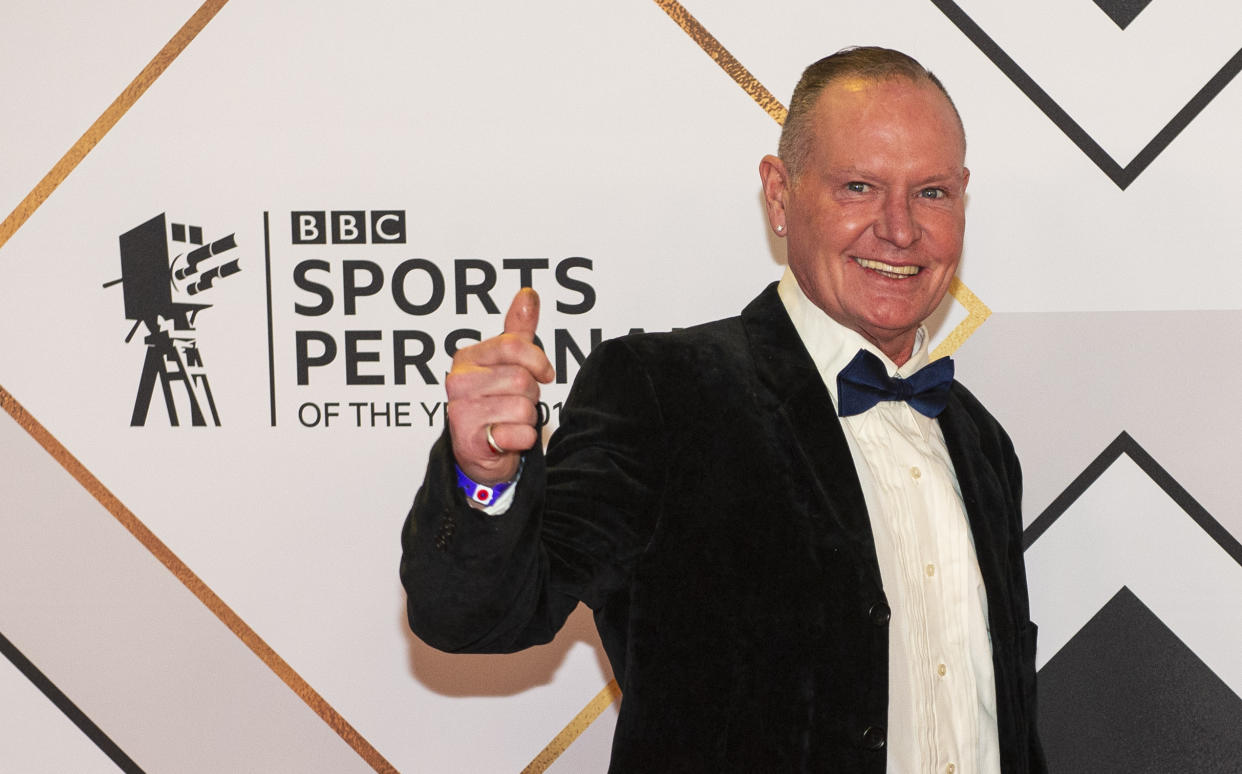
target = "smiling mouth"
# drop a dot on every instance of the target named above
(887, 269)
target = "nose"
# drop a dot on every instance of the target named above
(895, 222)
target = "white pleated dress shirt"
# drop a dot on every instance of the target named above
(942, 692)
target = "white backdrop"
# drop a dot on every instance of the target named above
(224, 598)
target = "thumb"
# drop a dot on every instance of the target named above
(523, 315)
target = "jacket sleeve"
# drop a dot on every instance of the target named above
(581, 514)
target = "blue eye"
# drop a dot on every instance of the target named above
(933, 193)
(856, 186)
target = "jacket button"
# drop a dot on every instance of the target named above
(880, 614)
(874, 738)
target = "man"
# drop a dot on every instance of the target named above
(786, 574)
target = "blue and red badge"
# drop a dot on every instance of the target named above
(481, 493)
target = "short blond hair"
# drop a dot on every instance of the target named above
(871, 63)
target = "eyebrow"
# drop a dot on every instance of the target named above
(852, 173)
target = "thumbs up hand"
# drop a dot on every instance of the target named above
(493, 392)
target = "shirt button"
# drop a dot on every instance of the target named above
(915, 473)
(950, 769)
(931, 570)
(942, 670)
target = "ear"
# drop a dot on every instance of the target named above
(776, 185)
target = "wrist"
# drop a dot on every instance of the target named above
(484, 494)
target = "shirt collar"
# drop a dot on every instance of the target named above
(832, 345)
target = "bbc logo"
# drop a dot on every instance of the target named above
(348, 227)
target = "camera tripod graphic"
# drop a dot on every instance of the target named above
(148, 279)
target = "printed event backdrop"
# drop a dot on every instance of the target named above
(246, 237)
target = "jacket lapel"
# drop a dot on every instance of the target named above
(983, 495)
(802, 408)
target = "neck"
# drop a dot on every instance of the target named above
(898, 349)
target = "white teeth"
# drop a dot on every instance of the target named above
(888, 270)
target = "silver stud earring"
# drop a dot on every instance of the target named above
(780, 229)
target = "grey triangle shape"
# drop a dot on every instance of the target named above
(1122, 12)
(1126, 696)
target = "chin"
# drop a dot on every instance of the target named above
(896, 323)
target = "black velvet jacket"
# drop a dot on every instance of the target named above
(700, 497)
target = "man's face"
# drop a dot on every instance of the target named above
(876, 215)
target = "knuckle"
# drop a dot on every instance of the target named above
(518, 381)
(515, 348)
(508, 347)
(462, 413)
(456, 384)
(466, 355)
(453, 410)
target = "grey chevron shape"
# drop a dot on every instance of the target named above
(1121, 175)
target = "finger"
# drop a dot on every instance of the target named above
(512, 420)
(523, 315)
(506, 349)
(468, 417)
(477, 382)
(512, 438)
(516, 345)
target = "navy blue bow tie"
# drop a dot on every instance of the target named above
(865, 382)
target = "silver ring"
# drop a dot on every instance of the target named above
(492, 442)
